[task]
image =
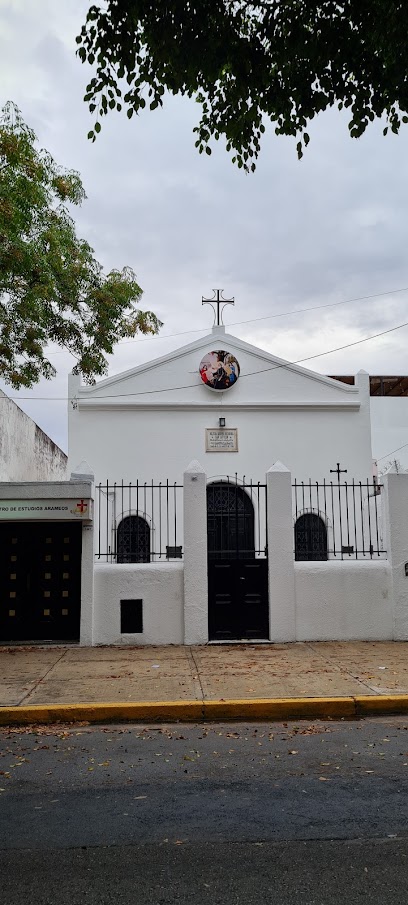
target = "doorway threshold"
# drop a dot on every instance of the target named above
(243, 641)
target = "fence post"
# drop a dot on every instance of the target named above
(282, 603)
(195, 555)
(395, 522)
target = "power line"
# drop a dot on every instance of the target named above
(254, 320)
(362, 298)
(193, 385)
(339, 349)
(391, 453)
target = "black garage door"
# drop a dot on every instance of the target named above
(40, 581)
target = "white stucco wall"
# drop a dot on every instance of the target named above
(343, 601)
(159, 585)
(282, 412)
(160, 445)
(334, 601)
(395, 511)
(26, 452)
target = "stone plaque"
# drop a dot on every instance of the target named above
(222, 439)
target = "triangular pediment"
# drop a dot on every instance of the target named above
(174, 380)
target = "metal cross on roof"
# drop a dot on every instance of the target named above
(219, 301)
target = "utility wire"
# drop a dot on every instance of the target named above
(254, 320)
(192, 385)
(391, 453)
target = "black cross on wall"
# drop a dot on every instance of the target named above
(338, 471)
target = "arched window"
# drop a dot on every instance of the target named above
(230, 522)
(310, 537)
(133, 540)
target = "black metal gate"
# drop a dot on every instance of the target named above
(237, 561)
(40, 581)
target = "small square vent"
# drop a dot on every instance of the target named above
(131, 617)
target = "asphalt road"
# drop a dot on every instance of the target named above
(207, 814)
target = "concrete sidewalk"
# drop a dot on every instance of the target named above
(34, 678)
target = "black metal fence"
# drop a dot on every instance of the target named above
(139, 522)
(143, 522)
(337, 520)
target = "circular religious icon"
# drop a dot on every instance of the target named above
(219, 370)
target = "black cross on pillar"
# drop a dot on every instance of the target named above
(338, 471)
(218, 300)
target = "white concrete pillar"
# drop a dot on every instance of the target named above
(394, 507)
(85, 474)
(87, 586)
(195, 555)
(365, 455)
(282, 603)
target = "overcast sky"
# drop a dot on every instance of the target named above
(295, 234)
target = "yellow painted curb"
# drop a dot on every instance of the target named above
(98, 712)
(280, 709)
(384, 703)
(197, 711)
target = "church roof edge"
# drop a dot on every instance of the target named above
(208, 341)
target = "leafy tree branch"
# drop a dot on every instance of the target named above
(52, 289)
(248, 62)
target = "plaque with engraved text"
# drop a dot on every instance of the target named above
(221, 439)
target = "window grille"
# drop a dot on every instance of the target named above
(133, 540)
(231, 519)
(310, 537)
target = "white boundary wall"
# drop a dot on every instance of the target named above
(343, 601)
(159, 585)
(26, 452)
(308, 601)
(338, 600)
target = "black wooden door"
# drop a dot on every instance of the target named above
(237, 573)
(238, 599)
(40, 581)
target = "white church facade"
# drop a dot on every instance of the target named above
(154, 419)
(217, 494)
(202, 533)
